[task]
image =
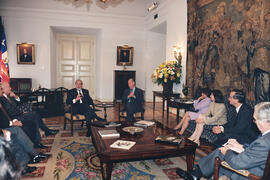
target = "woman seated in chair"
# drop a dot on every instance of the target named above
(201, 105)
(216, 115)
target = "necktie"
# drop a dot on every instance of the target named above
(10, 101)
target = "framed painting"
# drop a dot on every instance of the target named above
(25, 53)
(125, 55)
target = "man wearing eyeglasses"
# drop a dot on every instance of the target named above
(241, 127)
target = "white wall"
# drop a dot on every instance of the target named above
(34, 25)
(174, 13)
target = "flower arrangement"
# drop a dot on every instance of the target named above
(167, 72)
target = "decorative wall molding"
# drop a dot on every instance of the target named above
(72, 16)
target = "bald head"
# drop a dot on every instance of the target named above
(1, 90)
(6, 88)
(79, 84)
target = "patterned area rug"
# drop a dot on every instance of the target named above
(74, 158)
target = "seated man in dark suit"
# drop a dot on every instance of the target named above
(80, 101)
(253, 158)
(26, 119)
(133, 99)
(242, 127)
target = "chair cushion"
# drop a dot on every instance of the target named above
(76, 117)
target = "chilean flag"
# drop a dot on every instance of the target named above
(4, 71)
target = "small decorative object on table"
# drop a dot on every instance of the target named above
(168, 139)
(185, 90)
(166, 74)
(133, 130)
(120, 144)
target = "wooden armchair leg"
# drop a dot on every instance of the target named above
(217, 165)
(65, 123)
(71, 126)
(82, 124)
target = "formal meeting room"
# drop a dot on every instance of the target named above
(134, 89)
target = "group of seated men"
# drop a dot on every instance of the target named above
(80, 100)
(21, 128)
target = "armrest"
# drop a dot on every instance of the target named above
(224, 164)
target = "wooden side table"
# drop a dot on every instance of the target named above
(165, 97)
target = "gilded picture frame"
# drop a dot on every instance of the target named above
(125, 55)
(25, 53)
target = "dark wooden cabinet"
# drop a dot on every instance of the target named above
(21, 84)
(121, 82)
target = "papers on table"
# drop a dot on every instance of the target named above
(121, 144)
(144, 123)
(112, 124)
(111, 133)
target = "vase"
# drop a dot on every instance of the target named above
(185, 90)
(167, 88)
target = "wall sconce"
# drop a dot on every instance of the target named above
(177, 53)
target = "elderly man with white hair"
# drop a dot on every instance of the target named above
(252, 158)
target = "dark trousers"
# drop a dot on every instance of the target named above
(131, 108)
(36, 121)
(85, 110)
(21, 145)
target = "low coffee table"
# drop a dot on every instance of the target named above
(145, 148)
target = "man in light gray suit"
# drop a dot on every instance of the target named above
(253, 158)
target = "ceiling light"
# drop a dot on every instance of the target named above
(152, 7)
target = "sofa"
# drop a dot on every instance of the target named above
(231, 113)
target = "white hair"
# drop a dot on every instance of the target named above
(9, 169)
(262, 112)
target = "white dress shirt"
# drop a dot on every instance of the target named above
(78, 91)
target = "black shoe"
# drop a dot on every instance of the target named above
(51, 132)
(39, 157)
(40, 146)
(88, 134)
(184, 174)
(100, 119)
(42, 155)
(28, 169)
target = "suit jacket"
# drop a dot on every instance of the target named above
(216, 114)
(11, 108)
(252, 159)
(4, 122)
(242, 127)
(86, 99)
(137, 102)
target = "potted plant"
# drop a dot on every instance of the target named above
(166, 74)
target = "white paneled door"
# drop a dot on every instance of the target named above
(76, 60)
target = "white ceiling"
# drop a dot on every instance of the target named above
(117, 7)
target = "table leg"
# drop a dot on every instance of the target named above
(163, 106)
(108, 174)
(177, 115)
(105, 113)
(168, 111)
(190, 161)
(154, 105)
